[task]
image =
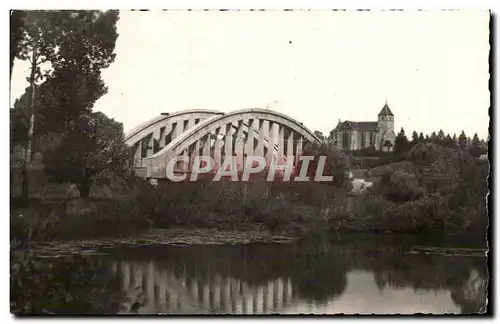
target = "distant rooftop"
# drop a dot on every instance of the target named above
(360, 126)
(386, 111)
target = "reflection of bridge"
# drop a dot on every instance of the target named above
(166, 291)
(286, 279)
(248, 132)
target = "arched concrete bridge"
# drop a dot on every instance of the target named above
(247, 132)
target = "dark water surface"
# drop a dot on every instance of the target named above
(321, 277)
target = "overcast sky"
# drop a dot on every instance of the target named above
(317, 66)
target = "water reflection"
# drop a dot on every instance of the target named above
(295, 278)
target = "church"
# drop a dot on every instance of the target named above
(353, 135)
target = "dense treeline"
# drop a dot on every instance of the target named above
(475, 146)
(369, 157)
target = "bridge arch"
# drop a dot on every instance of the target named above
(163, 129)
(235, 134)
(160, 121)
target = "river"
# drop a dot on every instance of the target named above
(318, 276)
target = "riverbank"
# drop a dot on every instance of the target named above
(296, 211)
(157, 237)
(413, 243)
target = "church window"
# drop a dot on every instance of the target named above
(345, 140)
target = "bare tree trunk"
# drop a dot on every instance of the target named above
(27, 152)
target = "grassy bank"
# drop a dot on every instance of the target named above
(294, 209)
(282, 208)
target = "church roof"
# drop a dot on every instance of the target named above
(386, 111)
(360, 126)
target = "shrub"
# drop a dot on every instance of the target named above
(401, 186)
(335, 163)
(71, 285)
(45, 220)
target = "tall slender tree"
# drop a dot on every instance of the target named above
(401, 142)
(448, 141)
(462, 140)
(475, 146)
(440, 138)
(37, 45)
(433, 137)
(414, 138)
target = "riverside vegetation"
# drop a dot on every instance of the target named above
(434, 189)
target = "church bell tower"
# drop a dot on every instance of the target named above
(385, 127)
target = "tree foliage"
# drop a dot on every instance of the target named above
(414, 138)
(16, 34)
(388, 145)
(462, 140)
(85, 41)
(319, 135)
(400, 186)
(92, 145)
(335, 163)
(448, 141)
(433, 137)
(80, 38)
(442, 188)
(38, 41)
(476, 148)
(440, 137)
(401, 144)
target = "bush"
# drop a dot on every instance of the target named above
(46, 220)
(71, 285)
(231, 205)
(438, 189)
(335, 163)
(400, 186)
